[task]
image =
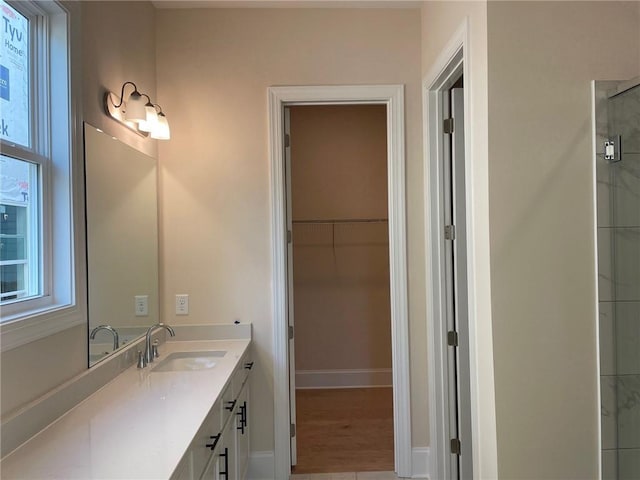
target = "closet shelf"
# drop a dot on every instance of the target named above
(336, 221)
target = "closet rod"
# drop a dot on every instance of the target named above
(353, 220)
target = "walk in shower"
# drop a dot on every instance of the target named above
(617, 119)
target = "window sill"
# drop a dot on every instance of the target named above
(38, 323)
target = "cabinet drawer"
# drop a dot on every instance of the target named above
(228, 401)
(239, 377)
(206, 440)
(242, 373)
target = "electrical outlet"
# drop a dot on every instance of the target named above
(142, 305)
(182, 304)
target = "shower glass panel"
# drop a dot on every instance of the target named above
(618, 207)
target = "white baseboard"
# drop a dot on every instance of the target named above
(261, 466)
(375, 377)
(420, 462)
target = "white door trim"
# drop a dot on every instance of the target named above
(453, 60)
(393, 97)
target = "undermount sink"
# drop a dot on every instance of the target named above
(185, 361)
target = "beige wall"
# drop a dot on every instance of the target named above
(339, 161)
(440, 21)
(214, 68)
(108, 59)
(118, 46)
(340, 271)
(542, 57)
(25, 376)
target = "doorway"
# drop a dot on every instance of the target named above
(450, 321)
(456, 313)
(339, 303)
(392, 97)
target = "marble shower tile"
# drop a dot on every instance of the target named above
(602, 90)
(376, 476)
(624, 191)
(605, 177)
(324, 476)
(629, 464)
(607, 329)
(628, 402)
(605, 265)
(626, 266)
(609, 465)
(627, 342)
(624, 119)
(608, 417)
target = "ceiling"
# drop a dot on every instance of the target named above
(287, 3)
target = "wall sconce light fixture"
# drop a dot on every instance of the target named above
(138, 113)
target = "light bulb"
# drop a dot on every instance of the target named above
(151, 120)
(161, 130)
(135, 108)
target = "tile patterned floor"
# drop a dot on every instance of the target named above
(346, 476)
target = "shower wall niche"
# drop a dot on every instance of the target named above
(617, 110)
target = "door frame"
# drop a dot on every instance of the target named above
(454, 60)
(393, 97)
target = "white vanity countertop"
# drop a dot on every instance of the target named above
(138, 426)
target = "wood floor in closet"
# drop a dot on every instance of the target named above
(344, 430)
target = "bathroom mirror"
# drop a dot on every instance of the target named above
(122, 242)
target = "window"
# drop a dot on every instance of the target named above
(20, 239)
(38, 227)
(20, 242)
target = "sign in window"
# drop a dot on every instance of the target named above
(14, 77)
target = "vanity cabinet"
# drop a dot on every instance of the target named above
(199, 428)
(242, 432)
(224, 465)
(220, 449)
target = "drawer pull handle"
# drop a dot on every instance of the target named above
(230, 405)
(248, 365)
(226, 462)
(243, 418)
(244, 413)
(215, 439)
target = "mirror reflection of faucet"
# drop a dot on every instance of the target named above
(116, 338)
(151, 350)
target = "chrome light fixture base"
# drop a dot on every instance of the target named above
(144, 118)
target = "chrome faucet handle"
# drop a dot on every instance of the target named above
(148, 351)
(114, 332)
(154, 349)
(141, 360)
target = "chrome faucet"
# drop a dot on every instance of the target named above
(148, 349)
(116, 338)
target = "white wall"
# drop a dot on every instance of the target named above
(542, 57)
(214, 68)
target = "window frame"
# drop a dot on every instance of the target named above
(62, 304)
